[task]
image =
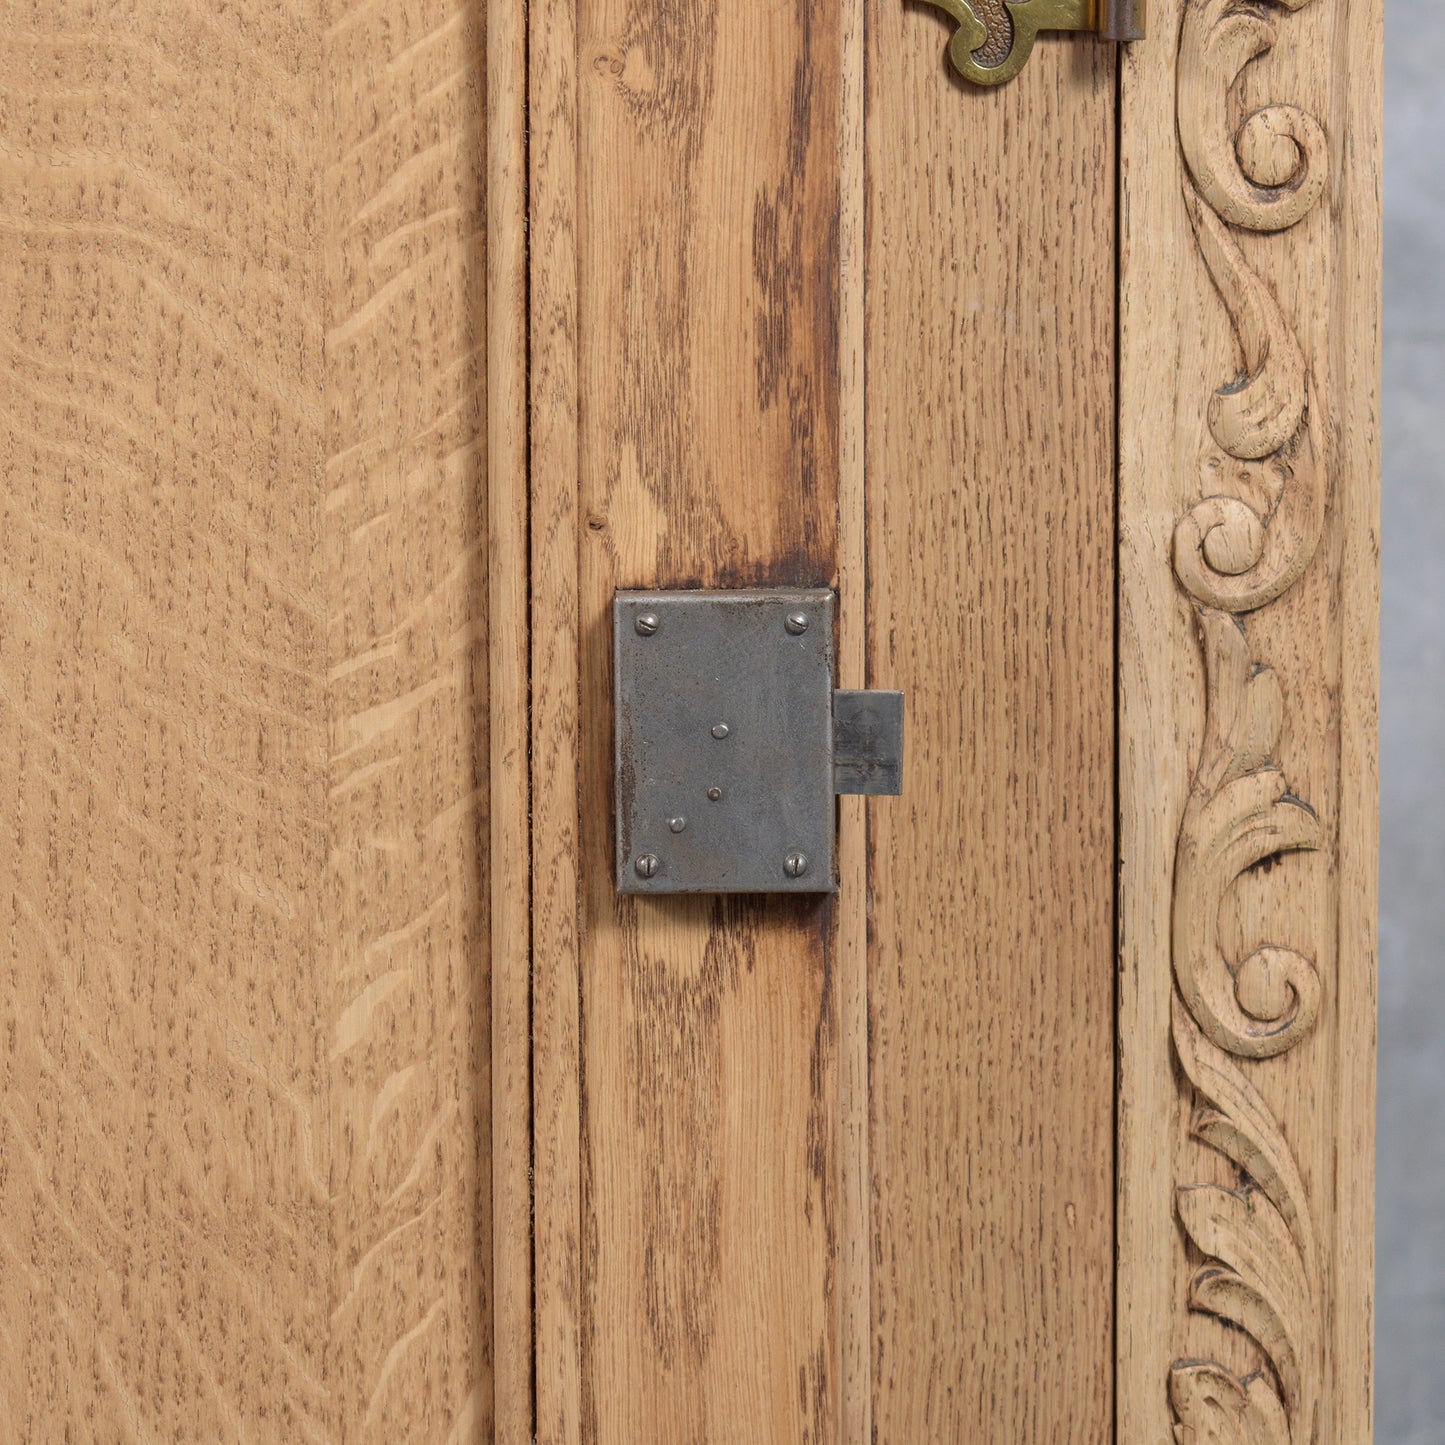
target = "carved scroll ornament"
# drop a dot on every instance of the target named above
(1236, 551)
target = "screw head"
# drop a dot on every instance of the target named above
(714, 794)
(647, 623)
(796, 623)
(795, 865)
(720, 731)
(677, 824)
(646, 865)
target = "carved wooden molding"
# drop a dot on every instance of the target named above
(1237, 551)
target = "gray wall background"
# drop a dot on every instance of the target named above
(1410, 1232)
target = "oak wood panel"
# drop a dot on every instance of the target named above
(558, 1240)
(854, 1257)
(707, 325)
(1248, 640)
(990, 297)
(685, 423)
(243, 745)
(508, 555)
(164, 1159)
(406, 518)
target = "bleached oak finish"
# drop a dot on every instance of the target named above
(1248, 571)
(854, 1267)
(685, 429)
(553, 400)
(991, 579)
(244, 1148)
(404, 571)
(352, 353)
(508, 551)
(165, 1254)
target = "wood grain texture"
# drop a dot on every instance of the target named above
(685, 430)
(245, 1165)
(164, 1157)
(406, 520)
(558, 1240)
(508, 556)
(854, 1260)
(1248, 631)
(708, 455)
(990, 568)
(267, 633)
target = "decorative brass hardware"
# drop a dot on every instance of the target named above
(994, 37)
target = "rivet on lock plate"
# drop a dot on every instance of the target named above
(732, 743)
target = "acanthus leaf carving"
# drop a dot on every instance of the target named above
(1236, 1121)
(1231, 553)
(1240, 812)
(1260, 1239)
(1261, 415)
(1270, 173)
(1215, 1407)
(1238, 549)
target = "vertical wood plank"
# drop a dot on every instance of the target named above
(406, 515)
(708, 339)
(990, 297)
(1357, 67)
(553, 163)
(685, 183)
(164, 1156)
(508, 554)
(854, 1243)
(1248, 572)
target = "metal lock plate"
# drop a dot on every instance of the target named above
(725, 776)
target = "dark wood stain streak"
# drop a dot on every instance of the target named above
(795, 262)
(708, 198)
(675, 1058)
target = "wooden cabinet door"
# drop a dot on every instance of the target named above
(354, 355)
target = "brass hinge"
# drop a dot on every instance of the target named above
(994, 37)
